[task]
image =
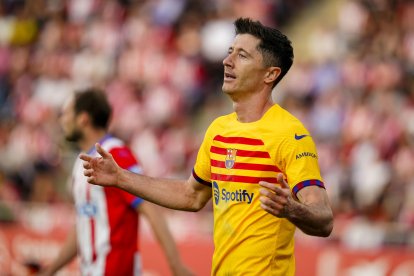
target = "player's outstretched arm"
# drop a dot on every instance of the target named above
(312, 214)
(187, 195)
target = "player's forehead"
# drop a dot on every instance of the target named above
(246, 42)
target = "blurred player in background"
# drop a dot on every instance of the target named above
(259, 164)
(105, 235)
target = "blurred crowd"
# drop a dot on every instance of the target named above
(356, 94)
(160, 65)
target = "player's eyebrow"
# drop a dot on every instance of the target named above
(232, 49)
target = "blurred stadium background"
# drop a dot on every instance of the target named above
(351, 84)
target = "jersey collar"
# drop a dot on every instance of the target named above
(101, 141)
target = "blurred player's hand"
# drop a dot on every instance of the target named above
(275, 199)
(100, 170)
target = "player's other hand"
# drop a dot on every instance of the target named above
(100, 170)
(276, 199)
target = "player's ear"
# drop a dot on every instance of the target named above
(271, 74)
(83, 119)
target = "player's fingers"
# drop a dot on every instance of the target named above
(85, 157)
(282, 181)
(274, 187)
(87, 165)
(88, 172)
(268, 196)
(272, 208)
(267, 193)
(101, 151)
(268, 185)
(274, 204)
(281, 191)
(267, 209)
(91, 180)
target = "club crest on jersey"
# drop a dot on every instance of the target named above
(230, 158)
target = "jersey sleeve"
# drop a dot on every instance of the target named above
(301, 160)
(126, 160)
(202, 170)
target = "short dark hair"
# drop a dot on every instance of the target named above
(274, 46)
(93, 101)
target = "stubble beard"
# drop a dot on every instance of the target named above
(226, 90)
(75, 136)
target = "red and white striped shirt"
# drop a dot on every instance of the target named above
(107, 221)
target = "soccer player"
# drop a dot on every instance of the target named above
(105, 235)
(259, 164)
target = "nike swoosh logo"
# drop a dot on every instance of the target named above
(298, 137)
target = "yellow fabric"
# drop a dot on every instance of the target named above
(248, 240)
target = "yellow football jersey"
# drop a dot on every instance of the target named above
(232, 159)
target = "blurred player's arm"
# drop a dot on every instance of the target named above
(164, 237)
(188, 195)
(66, 254)
(312, 213)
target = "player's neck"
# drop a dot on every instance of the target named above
(91, 137)
(251, 109)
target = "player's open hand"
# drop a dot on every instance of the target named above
(100, 170)
(275, 199)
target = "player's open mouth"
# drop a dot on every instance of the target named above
(228, 76)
